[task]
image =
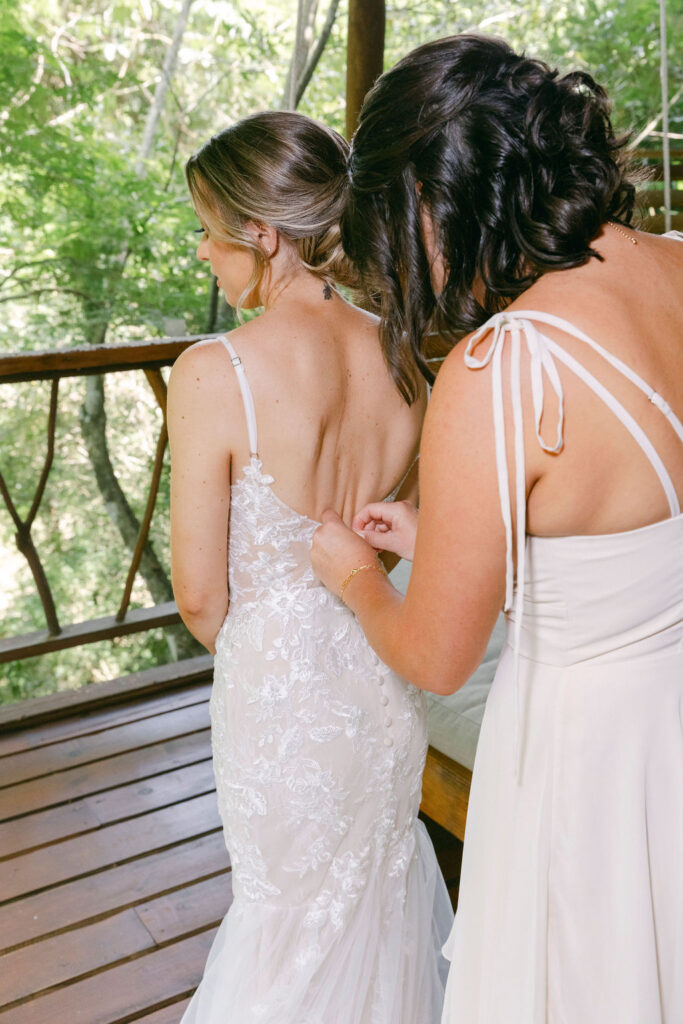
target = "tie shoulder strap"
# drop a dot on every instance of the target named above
(247, 397)
(518, 329)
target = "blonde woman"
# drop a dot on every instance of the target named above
(339, 907)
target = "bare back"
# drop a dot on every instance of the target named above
(332, 428)
(632, 305)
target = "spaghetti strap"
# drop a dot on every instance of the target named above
(521, 329)
(247, 397)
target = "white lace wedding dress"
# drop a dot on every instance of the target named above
(340, 909)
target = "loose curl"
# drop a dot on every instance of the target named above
(282, 169)
(516, 166)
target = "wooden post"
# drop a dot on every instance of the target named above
(365, 54)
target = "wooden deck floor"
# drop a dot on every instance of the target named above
(113, 871)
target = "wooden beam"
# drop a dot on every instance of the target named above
(655, 197)
(138, 620)
(365, 54)
(27, 713)
(78, 362)
(655, 225)
(445, 792)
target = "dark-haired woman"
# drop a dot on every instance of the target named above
(339, 907)
(490, 203)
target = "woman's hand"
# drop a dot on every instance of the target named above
(336, 551)
(389, 526)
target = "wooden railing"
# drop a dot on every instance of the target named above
(150, 357)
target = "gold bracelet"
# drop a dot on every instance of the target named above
(361, 568)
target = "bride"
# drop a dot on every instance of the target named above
(339, 907)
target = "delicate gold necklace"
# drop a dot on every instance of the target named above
(632, 240)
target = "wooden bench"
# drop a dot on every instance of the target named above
(454, 724)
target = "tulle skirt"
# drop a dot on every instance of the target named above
(383, 966)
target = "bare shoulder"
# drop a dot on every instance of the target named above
(458, 417)
(203, 389)
(201, 363)
(456, 376)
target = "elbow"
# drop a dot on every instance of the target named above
(443, 683)
(448, 683)
(193, 605)
(444, 673)
(199, 606)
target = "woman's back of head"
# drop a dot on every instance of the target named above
(333, 428)
(516, 167)
(278, 168)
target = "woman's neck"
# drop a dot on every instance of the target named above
(298, 287)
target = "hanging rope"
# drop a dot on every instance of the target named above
(664, 77)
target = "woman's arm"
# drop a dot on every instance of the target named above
(436, 636)
(200, 489)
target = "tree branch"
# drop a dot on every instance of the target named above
(167, 71)
(23, 266)
(303, 39)
(40, 291)
(647, 130)
(317, 51)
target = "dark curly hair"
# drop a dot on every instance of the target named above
(517, 167)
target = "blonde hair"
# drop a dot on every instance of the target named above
(282, 169)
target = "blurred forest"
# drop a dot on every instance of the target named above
(101, 103)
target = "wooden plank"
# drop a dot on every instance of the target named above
(29, 970)
(42, 827)
(76, 634)
(31, 764)
(63, 958)
(655, 197)
(50, 865)
(76, 362)
(159, 791)
(94, 721)
(658, 171)
(39, 710)
(656, 226)
(653, 153)
(445, 792)
(187, 910)
(125, 885)
(169, 1015)
(124, 991)
(101, 775)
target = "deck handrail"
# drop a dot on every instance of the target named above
(92, 359)
(148, 356)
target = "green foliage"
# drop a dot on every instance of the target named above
(93, 244)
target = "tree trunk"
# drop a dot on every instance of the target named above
(213, 307)
(154, 115)
(365, 54)
(315, 53)
(303, 41)
(93, 415)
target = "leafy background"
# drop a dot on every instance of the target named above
(97, 244)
